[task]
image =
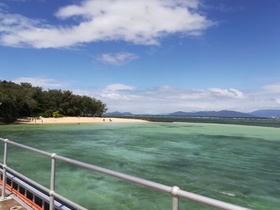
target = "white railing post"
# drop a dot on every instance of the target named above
(175, 197)
(52, 182)
(4, 179)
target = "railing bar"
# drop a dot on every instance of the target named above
(144, 182)
(209, 201)
(52, 182)
(29, 148)
(4, 179)
(175, 198)
(120, 175)
(137, 180)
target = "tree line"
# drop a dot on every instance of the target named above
(24, 100)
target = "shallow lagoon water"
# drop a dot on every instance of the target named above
(232, 163)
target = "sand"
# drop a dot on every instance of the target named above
(73, 120)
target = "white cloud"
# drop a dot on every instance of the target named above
(118, 59)
(138, 22)
(43, 82)
(167, 99)
(273, 88)
(119, 92)
(118, 87)
(118, 97)
(231, 92)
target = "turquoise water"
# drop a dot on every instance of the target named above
(232, 163)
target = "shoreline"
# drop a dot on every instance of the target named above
(75, 120)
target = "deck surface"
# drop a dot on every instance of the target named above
(10, 204)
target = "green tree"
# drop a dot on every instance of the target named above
(25, 100)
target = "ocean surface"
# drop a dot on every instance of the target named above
(232, 163)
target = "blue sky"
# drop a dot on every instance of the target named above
(147, 56)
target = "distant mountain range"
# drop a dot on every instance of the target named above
(227, 113)
(267, 113)
(224, 113)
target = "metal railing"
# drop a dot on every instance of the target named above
(174, 191)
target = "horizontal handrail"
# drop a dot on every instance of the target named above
(119, 175)
(175, 192)
(27, 147)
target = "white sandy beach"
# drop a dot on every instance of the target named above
(78, 120)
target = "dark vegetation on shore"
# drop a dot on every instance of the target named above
(24, 100)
